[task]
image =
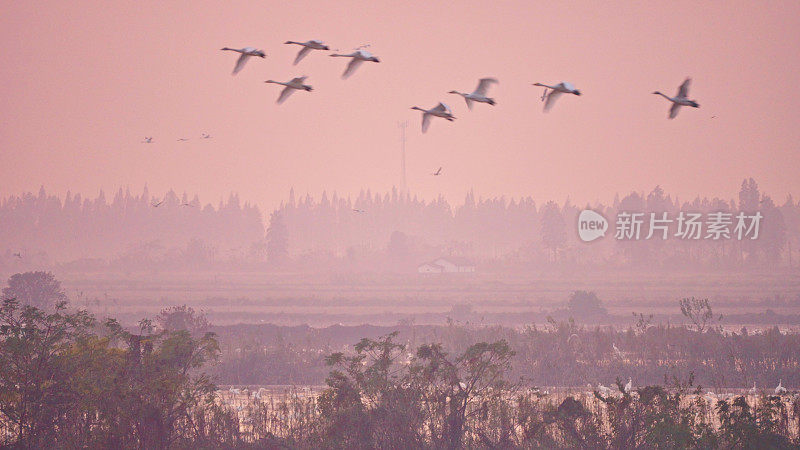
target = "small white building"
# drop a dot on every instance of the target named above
(450, 264)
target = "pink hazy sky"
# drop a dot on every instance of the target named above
(83, 82)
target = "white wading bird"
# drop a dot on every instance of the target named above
(681, 99)
(753, 390)
(440, 110)
(780, 389)
(295, 84)
(359, 56)
(307, 47)
(479, 94)
(246, 52)
(629, 385)
(564, 87)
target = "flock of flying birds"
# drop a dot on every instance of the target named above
(360, 55)
(479, 95)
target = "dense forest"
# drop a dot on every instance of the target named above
(392, 232)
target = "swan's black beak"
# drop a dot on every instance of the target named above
(377, 60)
(577, 92)
(326, 48)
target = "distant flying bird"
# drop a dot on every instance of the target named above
(156, 205)
(440, 110)
(147, 140)
(295, 84)
(479, 94)
(438, 172)
(682, 99)
(246, 52)
(313, 44)
(183, 139)
(359, 56)
(18, 255)
(544, 94)
(780, 389)
(564, 87)
(187, 204)
(205, 136)
(358, 210)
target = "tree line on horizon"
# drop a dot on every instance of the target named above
(394, 231)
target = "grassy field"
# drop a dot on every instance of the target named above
(324, 299)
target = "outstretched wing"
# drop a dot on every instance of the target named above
(441, 107)
(673, 111)
(285, 93)
(469, 103)
(298, 80)
(426, 121)
(683, 91)
(483, 86)
(552, 96)
(240, 63)
(351, 67)
(301, 54)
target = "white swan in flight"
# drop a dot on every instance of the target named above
(564, 87)
(682, 99)
(295, 84)
(313, 44)
(440, 110)
(246, 52)
(479, 94)
(147, 140)
(438, 172)
(359, 56)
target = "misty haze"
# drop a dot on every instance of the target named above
(448, 226)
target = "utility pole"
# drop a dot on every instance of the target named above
(402, 126)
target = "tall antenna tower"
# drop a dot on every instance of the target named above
(402, 126)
